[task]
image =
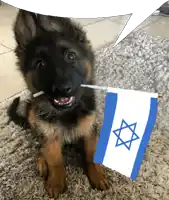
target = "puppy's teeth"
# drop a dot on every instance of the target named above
(63, 101)
(56, 101)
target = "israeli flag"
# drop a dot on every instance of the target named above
(129, 118)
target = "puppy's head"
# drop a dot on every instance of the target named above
(54, 56)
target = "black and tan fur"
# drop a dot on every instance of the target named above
(44, 38)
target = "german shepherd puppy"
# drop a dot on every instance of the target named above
(54, 56)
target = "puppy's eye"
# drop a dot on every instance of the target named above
(70, 56)
(40, 64)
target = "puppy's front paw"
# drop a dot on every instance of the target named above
(55, 178)
(55, 183)
(42, 167)
(97, 177)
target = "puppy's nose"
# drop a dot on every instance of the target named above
(66, 89)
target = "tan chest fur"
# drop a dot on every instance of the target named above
(49, 130)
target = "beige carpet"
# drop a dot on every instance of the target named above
(18, 149)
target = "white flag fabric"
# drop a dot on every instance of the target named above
(129, 118)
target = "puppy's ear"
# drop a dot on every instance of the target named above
(50, 23)
(25, 27)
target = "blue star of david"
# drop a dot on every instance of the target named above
(134, 136)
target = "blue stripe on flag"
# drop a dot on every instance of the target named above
(109, 111)
(145, 138)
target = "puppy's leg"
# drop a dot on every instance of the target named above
(94, 171)
(51, 166)
(42, 166)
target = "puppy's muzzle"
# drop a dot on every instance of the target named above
(65, 89)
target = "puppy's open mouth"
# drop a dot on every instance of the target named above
(64, 101)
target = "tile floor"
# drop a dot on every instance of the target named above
(100, 31)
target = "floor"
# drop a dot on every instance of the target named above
(100, 31)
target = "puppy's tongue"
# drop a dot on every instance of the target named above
(63, 100)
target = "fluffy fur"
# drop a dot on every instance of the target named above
(55, 56)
